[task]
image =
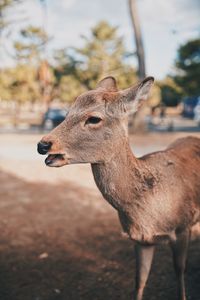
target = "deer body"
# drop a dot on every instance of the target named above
(154, 186)
(157, 196)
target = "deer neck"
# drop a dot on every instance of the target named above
(122, 178)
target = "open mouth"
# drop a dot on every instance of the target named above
(55, 160)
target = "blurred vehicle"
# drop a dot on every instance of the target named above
(197, 112)
(189, 104)
(53, 117)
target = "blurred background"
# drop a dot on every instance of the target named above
(59, 238)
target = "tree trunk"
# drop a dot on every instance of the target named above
(138, 121)
(138, 38)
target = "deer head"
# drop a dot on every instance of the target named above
(95, 126)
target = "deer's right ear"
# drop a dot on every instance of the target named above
(135, 95)
(108, 83)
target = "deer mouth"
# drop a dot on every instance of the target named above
(56, 160)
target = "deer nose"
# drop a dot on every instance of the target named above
(43, 147)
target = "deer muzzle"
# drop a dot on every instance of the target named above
(56, 156)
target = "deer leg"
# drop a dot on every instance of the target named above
(144, 256)
(179, 250)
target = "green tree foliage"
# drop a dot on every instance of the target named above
(75, 69)
(21, 83)
(155, 96)
(188, 68)
(103, 54)
(69, 88)
(9, 17)
(5, 83)
(171, 93)
(4, 6)
(185, 82)
(67, 83)
(31, 45)
(24, 86)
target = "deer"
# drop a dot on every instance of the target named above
(157, 196)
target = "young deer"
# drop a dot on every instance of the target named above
(157, 196)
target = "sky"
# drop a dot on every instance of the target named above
(166, 24)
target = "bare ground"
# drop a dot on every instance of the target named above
(60, 239)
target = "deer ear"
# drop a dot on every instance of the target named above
(135, 95)
(108, 83)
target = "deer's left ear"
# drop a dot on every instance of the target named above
(108, 84)
(135, 95)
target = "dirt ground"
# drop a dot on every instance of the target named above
(60, 240)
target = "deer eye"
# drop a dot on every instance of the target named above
(93, 120)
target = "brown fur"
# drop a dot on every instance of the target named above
(158, 195)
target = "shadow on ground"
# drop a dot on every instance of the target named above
(63, 242)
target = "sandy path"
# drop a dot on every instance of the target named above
(61, 241)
